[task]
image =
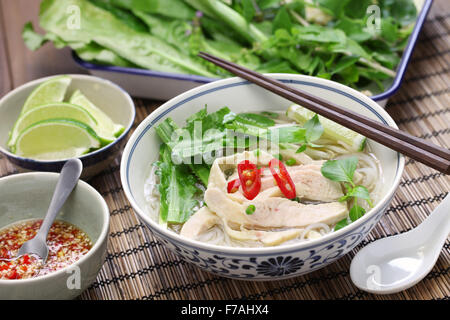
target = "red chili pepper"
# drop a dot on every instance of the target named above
(233, 186)
(4, 253)
(282, 177)
(13, 274)
(250, 179)
(261, 170)
(26, 259)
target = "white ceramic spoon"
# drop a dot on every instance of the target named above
(397, 263)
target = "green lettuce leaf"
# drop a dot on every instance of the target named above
(102, 27)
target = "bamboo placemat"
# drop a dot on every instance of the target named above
(139, 267)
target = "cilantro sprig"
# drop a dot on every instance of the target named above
(314, 131)
(343, 170)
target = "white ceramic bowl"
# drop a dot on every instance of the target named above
(268, 263)
(27, 196)
(109, 97)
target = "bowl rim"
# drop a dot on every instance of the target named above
(132, 109)
(164, 110)
(96, 246)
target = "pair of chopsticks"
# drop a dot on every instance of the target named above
(416, 148)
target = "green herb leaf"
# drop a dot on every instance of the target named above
(356, 212)
(403, 11)
(302, 148)
(354, 29)
(124, 15)
(177, 189)
(272, 115)
(166, 130)
(169, 8)
(356, 8)
(201, 171)
(341, 224)
(32, 39)
(282, 20)
(389, 29)
(360, 192)
(291, 134)
(341, 170)
(255, 120)
(248, 10)
(333, 7)
(314, 129)
(344, 63)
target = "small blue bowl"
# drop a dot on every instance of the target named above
(112, 99)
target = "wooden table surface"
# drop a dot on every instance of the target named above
(423, 98)
(18, 64)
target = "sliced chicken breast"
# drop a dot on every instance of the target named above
(200, 222)
(278, 212)
(273, 212)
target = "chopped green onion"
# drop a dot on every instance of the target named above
(250, 209)
(291, 162)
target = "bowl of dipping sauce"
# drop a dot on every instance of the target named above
(77, 239)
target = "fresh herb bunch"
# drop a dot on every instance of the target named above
(343, 170)
(332, 39)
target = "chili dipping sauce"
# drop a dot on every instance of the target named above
(66, 243)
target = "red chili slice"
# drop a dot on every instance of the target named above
(233, 186)
(250, 179)
(13, 274)
(282, 177)
(26, 259)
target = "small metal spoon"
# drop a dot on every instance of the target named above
(399, 262)
(68, 179)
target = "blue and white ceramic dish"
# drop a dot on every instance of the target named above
(268, 263)
(109, 97)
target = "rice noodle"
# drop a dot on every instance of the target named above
(151, 194)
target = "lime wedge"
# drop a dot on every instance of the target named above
(52, 90)
(56, 139)
(59, 110)
(106, 127)
(332, 129)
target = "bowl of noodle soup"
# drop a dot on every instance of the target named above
(270, 235)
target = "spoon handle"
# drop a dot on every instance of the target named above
(437, 225)
(68, 179)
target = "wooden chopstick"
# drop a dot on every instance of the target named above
(442, 152)
(416, 148)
